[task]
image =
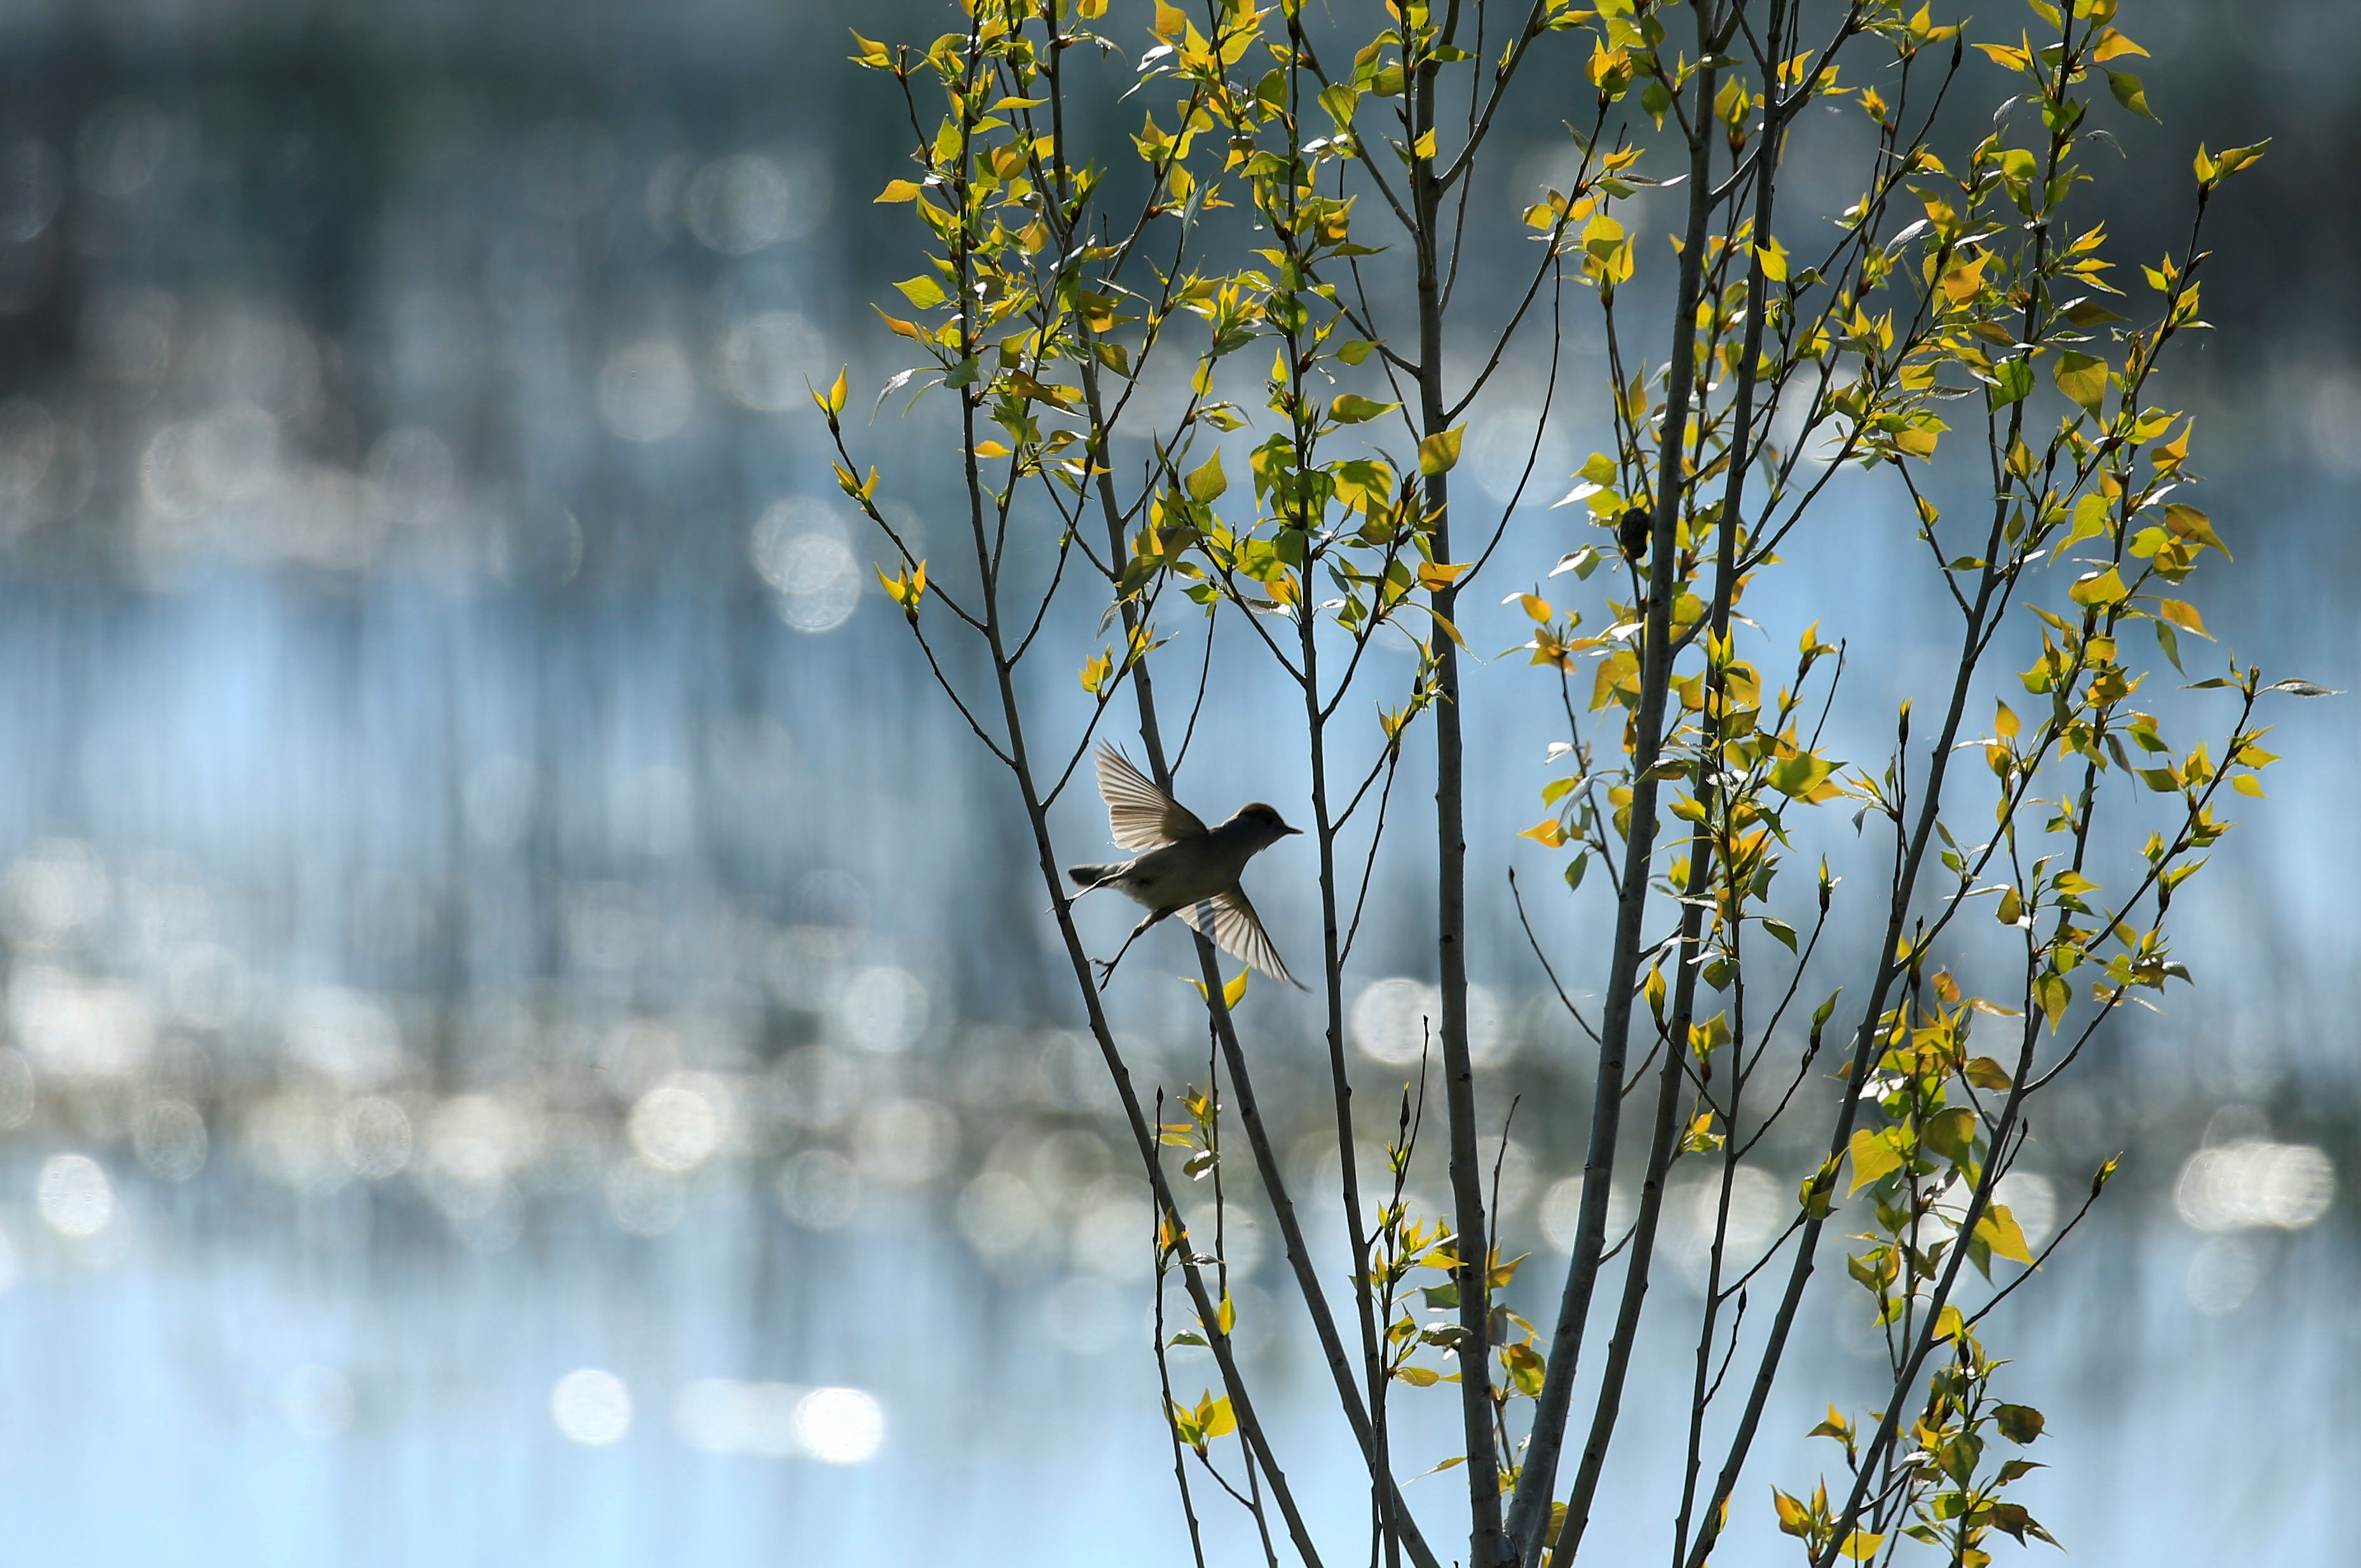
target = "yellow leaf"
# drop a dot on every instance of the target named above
(2184, 616)
(990, 449)
(1873, 1157)
(1425, 145)
(1235, 992)
(1965, 280)
(1999, 1230)
(2112, 45)
(1701, 1138)
(1433, 575)
(2188, 522)
(1227, 1315)
(897, 191)
(1439, 453)
(2055, 996)
(1551, 833)
(1862, 1545)
(1986, 1073)
(2097, 590)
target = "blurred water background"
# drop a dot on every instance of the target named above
(530, 1037)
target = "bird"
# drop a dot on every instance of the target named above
(1186, 868)
(1632, 533)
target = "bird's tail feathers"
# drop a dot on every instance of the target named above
(1090, 878)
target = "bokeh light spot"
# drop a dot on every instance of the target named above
(840, 1426)
(884, 1009)
(374, 1136)
(2253, 1184)
(74, 1197)
(1000, 1215)
(800, 548)
(820, 1190)
(676, 1125)
(171, 1140)
(591, 1407)
(766, 358)
(738, 205)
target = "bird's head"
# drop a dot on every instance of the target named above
(1260, 824)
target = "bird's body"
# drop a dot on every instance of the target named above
(1186, 868)
(1632, 533)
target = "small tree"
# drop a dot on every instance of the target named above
(1305, 189)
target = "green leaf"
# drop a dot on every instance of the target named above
(1800, 777)
(1207, 481)
(1340, 99)
(922, 291)
(1350, 408)
(2130, 93)
(2082, 377)
(1951, 1133)
(2012, 382)
(2019, 1423)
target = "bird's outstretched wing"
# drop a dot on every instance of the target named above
(1139, 814)
(1235, 927)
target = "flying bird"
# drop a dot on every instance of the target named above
(1186, 868)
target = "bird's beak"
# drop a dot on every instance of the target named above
(1285, 831)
